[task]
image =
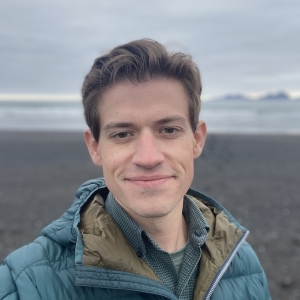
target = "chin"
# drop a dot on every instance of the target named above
(153, 208)
(151, 214)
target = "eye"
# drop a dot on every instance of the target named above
(122, 135)
(169, 130)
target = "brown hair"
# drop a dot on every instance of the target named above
(139, 61)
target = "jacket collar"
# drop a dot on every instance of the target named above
(223, 236)
(65, 230)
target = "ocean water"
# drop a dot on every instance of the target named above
(265, 117)
(221, 117)
(43, 115)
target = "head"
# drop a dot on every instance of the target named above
(142, 105)
(138, 62)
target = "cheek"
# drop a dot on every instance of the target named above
(183, 165)
(113, 163)
(184, 154)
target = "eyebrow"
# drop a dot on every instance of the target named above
(175, 118)
(114, 125)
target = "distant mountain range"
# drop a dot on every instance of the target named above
(280, 96)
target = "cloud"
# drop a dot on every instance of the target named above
(48, 47)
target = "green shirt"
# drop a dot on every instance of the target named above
(181, 283)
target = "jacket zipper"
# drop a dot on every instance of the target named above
(225, 266)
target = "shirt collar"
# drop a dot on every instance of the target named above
(136, 236)
(131, 230)
(198, 227)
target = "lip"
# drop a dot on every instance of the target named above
(149, 181)
(148, 178)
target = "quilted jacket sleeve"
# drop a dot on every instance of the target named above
(8, 290)
(244, 278)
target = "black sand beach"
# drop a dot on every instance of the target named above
(256, 177)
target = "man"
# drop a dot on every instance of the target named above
(141, 233)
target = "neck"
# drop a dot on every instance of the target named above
(169, 232)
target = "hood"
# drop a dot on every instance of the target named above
(64, 230)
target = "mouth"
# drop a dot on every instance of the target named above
(149, 181)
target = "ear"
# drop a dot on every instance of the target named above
(199, 138)
(93, 147)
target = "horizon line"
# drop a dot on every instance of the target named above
(77, 97)
(40, 97)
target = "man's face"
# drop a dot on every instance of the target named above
(147, 146)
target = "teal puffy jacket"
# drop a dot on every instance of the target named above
(73, 259)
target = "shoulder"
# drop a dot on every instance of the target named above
(244, 276)
(44, 260)
(8, 289)
(42, 251)
(245, 262)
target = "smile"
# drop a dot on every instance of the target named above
(149, 181)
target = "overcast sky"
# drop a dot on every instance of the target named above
(248, 46)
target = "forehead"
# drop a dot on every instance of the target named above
(150, 100)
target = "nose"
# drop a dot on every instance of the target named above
(147, 151)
